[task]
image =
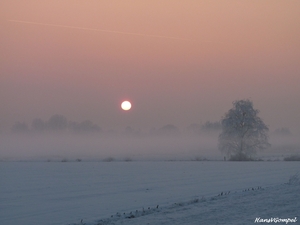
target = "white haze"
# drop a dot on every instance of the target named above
(126, 147)
(105, 147)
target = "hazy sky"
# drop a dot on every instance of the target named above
(178, 62)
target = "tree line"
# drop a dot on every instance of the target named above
(56, 123)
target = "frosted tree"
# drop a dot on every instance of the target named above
(243, 132)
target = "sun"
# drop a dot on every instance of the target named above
(126, 105)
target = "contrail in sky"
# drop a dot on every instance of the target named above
(99, 30)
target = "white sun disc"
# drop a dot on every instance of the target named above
(126, 105)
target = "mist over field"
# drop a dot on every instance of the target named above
(107, 146)
(58, 139)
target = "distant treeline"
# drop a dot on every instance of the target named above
(54, 124)
(59, 123)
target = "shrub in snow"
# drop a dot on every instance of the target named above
(200, 158)
(109, 159)
(243, 132)
(127, 159)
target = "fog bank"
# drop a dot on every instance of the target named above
(101, 147)
(128, 146)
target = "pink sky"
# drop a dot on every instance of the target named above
(193, 59)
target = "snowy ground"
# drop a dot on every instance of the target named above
(243, 207)
(185, 192)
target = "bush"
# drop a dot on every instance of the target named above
(109, 159)
(127, 159)
(240, 157)
(200, 158)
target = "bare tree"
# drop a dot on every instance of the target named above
(243, 132)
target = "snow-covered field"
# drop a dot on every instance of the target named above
(212, 192)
